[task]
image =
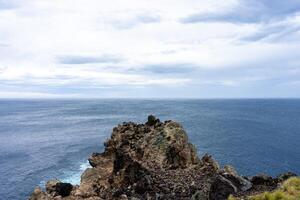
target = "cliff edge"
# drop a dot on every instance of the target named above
(155, 161)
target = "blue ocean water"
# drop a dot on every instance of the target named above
(46, 139)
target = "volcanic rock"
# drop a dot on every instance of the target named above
(263, 179)
(238, 181)
(285, 176)
(221, 188)
(152, 161)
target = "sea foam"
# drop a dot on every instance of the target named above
(74, 177)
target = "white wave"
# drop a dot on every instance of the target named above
(74, 178)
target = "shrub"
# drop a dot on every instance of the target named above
(289, 190)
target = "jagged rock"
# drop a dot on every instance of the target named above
(263, 179)
(55, 187)
(199, 195)
(152, 120)
(123, 197)
(94, 159)
(152, 161)
(242, 184)
(285, 176)
(64, 189)
(38, 194)
(221, 188)
(51, 186)
(209, 164)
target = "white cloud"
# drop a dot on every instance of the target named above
(107, 44)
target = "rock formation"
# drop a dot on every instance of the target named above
(155, 161)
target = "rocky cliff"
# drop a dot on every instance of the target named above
(155, 161)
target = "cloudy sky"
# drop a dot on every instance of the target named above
(144, 49)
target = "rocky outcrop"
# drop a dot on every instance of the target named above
(154, 161)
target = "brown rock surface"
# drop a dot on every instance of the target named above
(149, 161)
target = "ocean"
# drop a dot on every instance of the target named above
(46, 139)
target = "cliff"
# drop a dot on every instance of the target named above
(155, 161)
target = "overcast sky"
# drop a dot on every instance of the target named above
(150, 48)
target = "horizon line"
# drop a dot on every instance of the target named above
(149, 98)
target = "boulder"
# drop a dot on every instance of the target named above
(64, 189)
(152, 120)
(38, 194)
(209, 164)
(221, 188)
(241, 183)
(55, 187)
(51, 185)
(263, 179)
(284, 176)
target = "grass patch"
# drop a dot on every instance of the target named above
(289, 190)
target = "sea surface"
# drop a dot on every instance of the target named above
(46, 139)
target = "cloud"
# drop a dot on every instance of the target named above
(171, 68)
(125, 21)
(3, 45)
(265, 32)
(148, 18)
(245, 17)
(138, 48)
(77, 60)
(248, 11)
(7, 4)
(273, 33)
(39, 95)
(2, 69)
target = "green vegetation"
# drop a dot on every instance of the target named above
(289, 190)
(231, 198)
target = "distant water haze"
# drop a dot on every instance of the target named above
(46, 139)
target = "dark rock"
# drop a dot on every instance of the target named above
(242, 184)
(173, 157)
(221, 188)
(143, 185)
(199, 195)
(56, 188)
(284, 176)
(134, 172)
(93, 159)
(51, 186)
(152, 120)
(209, 164)
(120, 160)
(263, 179)
(64, 189)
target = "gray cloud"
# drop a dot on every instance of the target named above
(135, 21)
(264, 33)
(249, 11)
(273, 33)
(177, 68)
(146, 19)
(7, 4)
(220, 17)
(74, 59)
(3, 45)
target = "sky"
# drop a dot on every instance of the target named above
(149, 49)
